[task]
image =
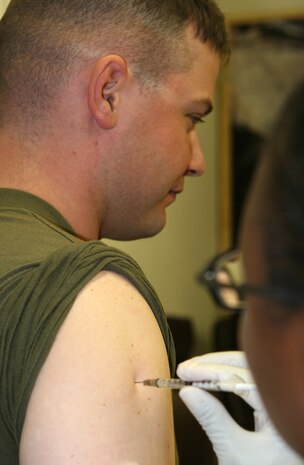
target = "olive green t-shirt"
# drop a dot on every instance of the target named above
(43, 266)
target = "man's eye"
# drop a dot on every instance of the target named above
(196, 119)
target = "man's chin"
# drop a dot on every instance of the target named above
(141, 232)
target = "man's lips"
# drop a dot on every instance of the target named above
(178, 189)
(173, 193)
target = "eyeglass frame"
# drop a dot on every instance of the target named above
(208, 277)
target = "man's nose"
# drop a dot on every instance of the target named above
(197, 164)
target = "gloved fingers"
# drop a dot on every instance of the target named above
(224, 433)
(214, 367)
(213, 372)
(235, 358)
(222, 366)
(232, 444)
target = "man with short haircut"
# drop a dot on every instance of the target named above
(98, 106)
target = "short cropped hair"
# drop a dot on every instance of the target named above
(42, 43)
(280, 216)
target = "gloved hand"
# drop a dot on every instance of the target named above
(232, 444)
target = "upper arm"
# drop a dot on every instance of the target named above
(85, 408)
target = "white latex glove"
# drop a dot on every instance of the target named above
(232, 444)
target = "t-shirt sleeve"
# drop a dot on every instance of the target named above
(36, 299)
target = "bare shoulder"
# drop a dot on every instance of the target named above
(85, 406)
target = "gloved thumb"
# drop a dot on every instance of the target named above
(232, 444)
(212, 416)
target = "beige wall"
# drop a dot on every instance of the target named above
(172, 259)
(3, 5)
(236, 8)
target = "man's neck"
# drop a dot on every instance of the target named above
(44, 175)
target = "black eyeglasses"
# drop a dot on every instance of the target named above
(224, 278)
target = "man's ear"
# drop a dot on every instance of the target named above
(107, 79)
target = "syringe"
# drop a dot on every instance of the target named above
(176, 383)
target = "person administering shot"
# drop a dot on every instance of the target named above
(272, 320)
